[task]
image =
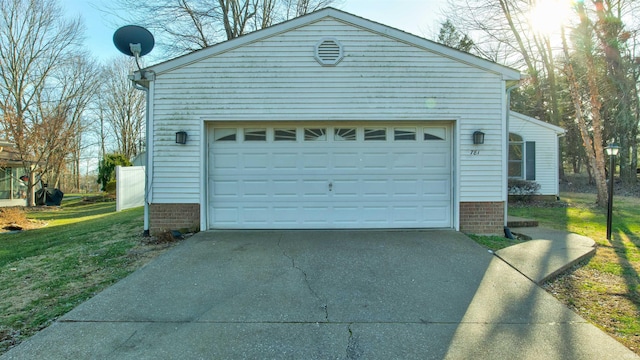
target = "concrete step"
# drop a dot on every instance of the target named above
(516, 222)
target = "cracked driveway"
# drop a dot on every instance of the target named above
(322, 295)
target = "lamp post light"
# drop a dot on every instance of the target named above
(612, 151)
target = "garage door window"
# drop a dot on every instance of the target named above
(375, 134)
(434, 134)
(315, 134)
(255, 135)
(400, 134)
(345, 134)
(225, 134)
(284, 135)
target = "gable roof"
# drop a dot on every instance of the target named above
(558, 130)
(380, 29)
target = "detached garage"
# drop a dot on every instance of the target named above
(327, 121)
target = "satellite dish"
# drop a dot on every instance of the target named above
(133, 40)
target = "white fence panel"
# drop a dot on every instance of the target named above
(129, 187)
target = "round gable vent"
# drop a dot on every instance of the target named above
(329, 52)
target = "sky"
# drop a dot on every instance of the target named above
(419, 17)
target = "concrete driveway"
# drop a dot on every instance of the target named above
(323, 295)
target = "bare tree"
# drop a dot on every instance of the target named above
(122, 107)
(77, 85)
(598, 66)
(295, 8)
(189, 25)
(35, 42)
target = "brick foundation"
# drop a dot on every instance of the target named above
(482, 218)
(183, 217)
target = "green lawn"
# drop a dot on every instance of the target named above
(582, 216)
(606, 289)
(46, 272)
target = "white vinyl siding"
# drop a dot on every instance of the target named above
(545, 137)
(278, 79)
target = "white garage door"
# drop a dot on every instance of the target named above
(330, 176)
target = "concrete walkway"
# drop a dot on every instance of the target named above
(548, 253)
(324, 295)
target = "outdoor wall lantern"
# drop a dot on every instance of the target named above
(611, 150)
(478, 138)
(181, 137)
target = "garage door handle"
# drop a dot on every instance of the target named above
(330, 186)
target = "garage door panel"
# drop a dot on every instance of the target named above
(375, 188)
(285, 215)
(343, 188)
(256, 189)
(437, 160)
(224, 161)
(221, 189)
(407, 215)
(315, 215)
(346, 161)
(436, 188)
(406, 188)
(284, 189)
(406, 160)
(345, 215)
(317, 161)
(434, 214)
(375, 215)
(256, 216)
(330, 183)
(375, 161)
(226, 216)
(252, 161)
(284, 161)
(314, 189)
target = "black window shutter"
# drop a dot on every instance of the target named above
(530, 148)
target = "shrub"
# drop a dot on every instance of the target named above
(107, 168)
(12, 215)
(111, 187)
(522, 189)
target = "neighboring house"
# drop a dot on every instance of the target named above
(327, 121)
(533, 152)
(13, 190)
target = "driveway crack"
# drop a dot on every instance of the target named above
(353, 345)
(315, 294)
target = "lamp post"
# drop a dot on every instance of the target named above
(612, 151)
